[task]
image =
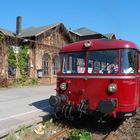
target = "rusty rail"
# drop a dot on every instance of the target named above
(59, 134)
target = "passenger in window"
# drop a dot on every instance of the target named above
(90, 69)
(81, 68)
(103, 69)
(109, 68)
(112, 68)
(115, 68)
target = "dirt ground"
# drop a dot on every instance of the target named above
(130, 130)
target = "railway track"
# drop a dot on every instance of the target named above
(112, 130)
(98, 130)
(110, 135)
(60, 135)
(127, 129)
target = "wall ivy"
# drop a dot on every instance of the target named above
(19, 60)
(22, 59)
(11, 57)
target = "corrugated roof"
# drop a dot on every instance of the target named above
(85, 31)
(6, 32)
(34, 31)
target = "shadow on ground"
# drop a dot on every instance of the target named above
(44, 106)
(91, 124)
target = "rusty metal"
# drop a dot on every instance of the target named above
(59, 134)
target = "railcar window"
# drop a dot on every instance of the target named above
(128, 61)
(103, 62)
(74, 63)
(60, 62)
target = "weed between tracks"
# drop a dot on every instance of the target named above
(83, 129)
(48, 130)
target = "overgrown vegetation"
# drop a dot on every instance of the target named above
(23, 130)
(11, 57)
(25, 82)
(20, 62)
(22, 58)
(11, 136)
(80, 134)
(1, 37)
(46, 130)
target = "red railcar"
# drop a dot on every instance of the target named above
(98, 76)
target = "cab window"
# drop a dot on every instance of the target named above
(128, 61)
(103, 62)
(74, 63)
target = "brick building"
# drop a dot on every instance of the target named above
(43, 44)
(85, 33)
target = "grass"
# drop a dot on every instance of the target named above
(49, 128)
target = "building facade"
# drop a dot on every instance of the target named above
(42, 45)
(45, 43)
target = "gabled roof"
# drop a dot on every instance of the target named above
(35, 31)
(84, 31)
(6, 32)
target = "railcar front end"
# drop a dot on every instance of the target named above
(98, 77)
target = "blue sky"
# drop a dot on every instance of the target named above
(121, 17)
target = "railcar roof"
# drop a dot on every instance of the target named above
(99, 44)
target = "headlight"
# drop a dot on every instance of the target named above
(87, 44)
(112, 88)
(63, 86)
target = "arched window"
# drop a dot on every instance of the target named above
(55, 65)
(45, 64)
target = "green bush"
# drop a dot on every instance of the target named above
(24, 81)
(34, 82)
(82, 134)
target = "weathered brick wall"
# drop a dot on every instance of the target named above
(49, 45)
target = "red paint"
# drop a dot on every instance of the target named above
(93, 87)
